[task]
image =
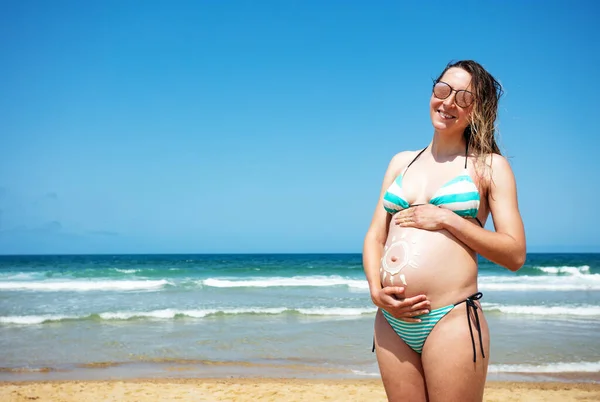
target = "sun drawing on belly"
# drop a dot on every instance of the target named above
(396, 256)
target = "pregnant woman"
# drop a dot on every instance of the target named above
(420, 252)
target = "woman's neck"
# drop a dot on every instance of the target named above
(446, 145)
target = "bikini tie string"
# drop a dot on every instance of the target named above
(472, 307)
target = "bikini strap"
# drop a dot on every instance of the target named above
(416, 157)
(471, 306)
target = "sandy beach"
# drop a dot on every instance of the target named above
(267, 390)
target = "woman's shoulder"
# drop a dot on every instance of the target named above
(495, 167)
(494, 161)
(402, 159)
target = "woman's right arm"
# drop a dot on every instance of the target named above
(389, 298)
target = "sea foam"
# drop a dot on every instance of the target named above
(560, 367)
(82, 286)
(296, 281)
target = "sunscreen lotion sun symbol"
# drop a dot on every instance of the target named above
(397, 256)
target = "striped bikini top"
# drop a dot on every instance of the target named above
(459, 194)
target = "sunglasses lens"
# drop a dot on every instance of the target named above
(464, 98)
(441, 90)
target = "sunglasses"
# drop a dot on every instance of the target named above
(463, 98)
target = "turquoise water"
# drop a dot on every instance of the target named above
(283, 315)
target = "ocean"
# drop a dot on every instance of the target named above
(277, 315)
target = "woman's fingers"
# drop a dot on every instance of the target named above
(395, 291)
(424, 305)
(406, 309)
(409, 314)
(406, 319)
(411, 302)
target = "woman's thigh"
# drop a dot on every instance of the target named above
(400, 366)
(448, 358)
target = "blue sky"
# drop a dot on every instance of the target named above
(266, 126)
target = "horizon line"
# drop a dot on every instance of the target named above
(241, 253)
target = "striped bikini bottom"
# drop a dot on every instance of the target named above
(414, 334)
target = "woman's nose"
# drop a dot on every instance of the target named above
(450, 99)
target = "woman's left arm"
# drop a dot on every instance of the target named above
(506, 246)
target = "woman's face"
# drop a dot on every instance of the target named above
(447, 114)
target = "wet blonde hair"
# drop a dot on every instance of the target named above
(481, 133)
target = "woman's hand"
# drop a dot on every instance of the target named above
(391, 299)
(426, 216)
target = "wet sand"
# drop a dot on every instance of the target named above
(267, 389)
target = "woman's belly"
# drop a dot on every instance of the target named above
(434, 263)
